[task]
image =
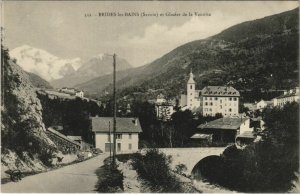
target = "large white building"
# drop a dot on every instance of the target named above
(289, 96)
(211, 99)
(127, 133)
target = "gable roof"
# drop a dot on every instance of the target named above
(292, 93)
(219, 91)
(62, 136)
(223, 123)
(123, 125)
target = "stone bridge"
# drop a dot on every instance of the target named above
(190, 156)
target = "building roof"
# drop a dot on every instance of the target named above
(294, 92)
(223, 123)
(219, 91)
(123, 125)
(201, 136)
(74, 138)
(62, 136)
(266, 101)
(191, 79)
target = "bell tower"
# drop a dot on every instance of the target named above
(191, 91)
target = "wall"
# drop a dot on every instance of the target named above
(102, 138)
(245, 126)
(212, 106)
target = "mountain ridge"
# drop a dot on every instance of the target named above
(96, 66)
(244, 53)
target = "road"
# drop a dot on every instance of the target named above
(76, 178)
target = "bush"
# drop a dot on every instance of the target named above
(111, 182)
(154, 167)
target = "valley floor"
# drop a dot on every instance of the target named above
(76, 178)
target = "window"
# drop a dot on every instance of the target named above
(230, 99)
(216, 98)
(130, 146)
(211, 103)
(119, 136)
(206, 103)
(230, 110)
(210, 98)
(234, 99)
(191, 86)
(210, 109)
(191, 93)
(130, 136)
(205, 98)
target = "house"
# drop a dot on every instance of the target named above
(289, 96)
(72, 91)
(225, 129)
(164, 108)
(67, 90)
(80, 93)
(250, 106)
(211, 99)
(199, 138)
(263, 104)
(84, 145)
(63, 142)
(127, 133)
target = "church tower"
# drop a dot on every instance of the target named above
(191, 91)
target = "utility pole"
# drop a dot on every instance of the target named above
(115, 110)
(109, 141)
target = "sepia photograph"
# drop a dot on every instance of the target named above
(150, 96)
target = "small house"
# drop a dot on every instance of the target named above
(80, 93)
(263, 104)
(225, 129)
(127, 133)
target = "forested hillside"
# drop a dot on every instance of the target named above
(255, 55)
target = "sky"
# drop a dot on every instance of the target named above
(65, 29)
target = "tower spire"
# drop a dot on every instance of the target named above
(191, 79)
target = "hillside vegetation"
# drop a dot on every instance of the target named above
(259, 54)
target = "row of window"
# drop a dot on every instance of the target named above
(210, 110)
(207, 114)
(119, 136)
(216, 98)
(211, 104)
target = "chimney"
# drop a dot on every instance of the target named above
(135, 121)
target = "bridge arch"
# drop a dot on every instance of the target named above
(190, 156)
(210, 167)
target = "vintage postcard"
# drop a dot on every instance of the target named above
(149, 96)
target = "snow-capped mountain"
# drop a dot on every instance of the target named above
(44, 64)
(96, 66)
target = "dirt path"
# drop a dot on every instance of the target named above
(76, 178)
